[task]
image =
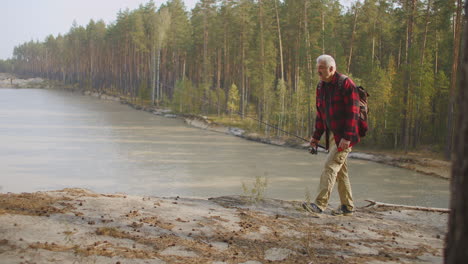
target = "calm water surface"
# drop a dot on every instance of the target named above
(51, 140)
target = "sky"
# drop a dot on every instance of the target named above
(25, 20)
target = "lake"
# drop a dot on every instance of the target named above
(53, 139)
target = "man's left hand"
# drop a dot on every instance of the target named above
(344, 144)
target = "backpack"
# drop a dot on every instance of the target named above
(363, 126)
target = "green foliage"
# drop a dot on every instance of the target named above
(217, 101)
(180, 28)
(307, 195)
(183, 100)
(233, 100)
(256, 192)
(6, 66)
(144, 92)
(163, 22)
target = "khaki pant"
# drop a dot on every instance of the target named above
(335, 170)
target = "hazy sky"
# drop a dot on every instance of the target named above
(25, 20)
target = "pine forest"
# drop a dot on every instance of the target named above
(235, 59)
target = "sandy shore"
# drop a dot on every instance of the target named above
(10, 81)
(78, 226)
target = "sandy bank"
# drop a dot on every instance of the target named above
(10, 81)
(78, 226)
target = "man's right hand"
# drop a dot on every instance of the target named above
(314, 142)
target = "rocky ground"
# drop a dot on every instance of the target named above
(78, 226)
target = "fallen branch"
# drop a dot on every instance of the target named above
(429, 209)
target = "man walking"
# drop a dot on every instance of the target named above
(337, 115)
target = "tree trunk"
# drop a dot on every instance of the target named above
(453, 79)
(262, 105)
(153, 75)
(406, 99)
(408, 207)
(457, 237)
(373, 47)
(226, 62)
(399, 56)
(242, 102)
(418, 116)
(322, 17)
(158, 86)
(279, 41)
(205, 47)
(436, 61)
(218, 74)
(356, 7)
(309, 70)
(426, 29)
(183, 67)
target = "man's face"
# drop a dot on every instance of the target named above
(325, 73)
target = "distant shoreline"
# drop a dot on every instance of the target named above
(11, 81)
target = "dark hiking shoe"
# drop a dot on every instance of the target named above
(343, 210)
(311, 207)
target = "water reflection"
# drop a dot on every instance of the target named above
(52, 140)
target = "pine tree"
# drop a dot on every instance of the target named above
(233, 100)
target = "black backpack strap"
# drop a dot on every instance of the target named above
(341, 81)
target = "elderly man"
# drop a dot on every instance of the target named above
(337, 115)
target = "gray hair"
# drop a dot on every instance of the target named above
(329, 61)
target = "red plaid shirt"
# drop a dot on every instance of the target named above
(339, 108)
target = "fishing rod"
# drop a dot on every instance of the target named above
(312, 150)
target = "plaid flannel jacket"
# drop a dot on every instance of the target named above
(337, 109)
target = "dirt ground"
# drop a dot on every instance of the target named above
(78, 226)
(428, 166)
(416, 161)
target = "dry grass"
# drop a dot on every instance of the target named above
(102, 248)
(32, 204)
(79, 192)
(137, 235)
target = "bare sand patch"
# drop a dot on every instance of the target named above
(78, 226)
